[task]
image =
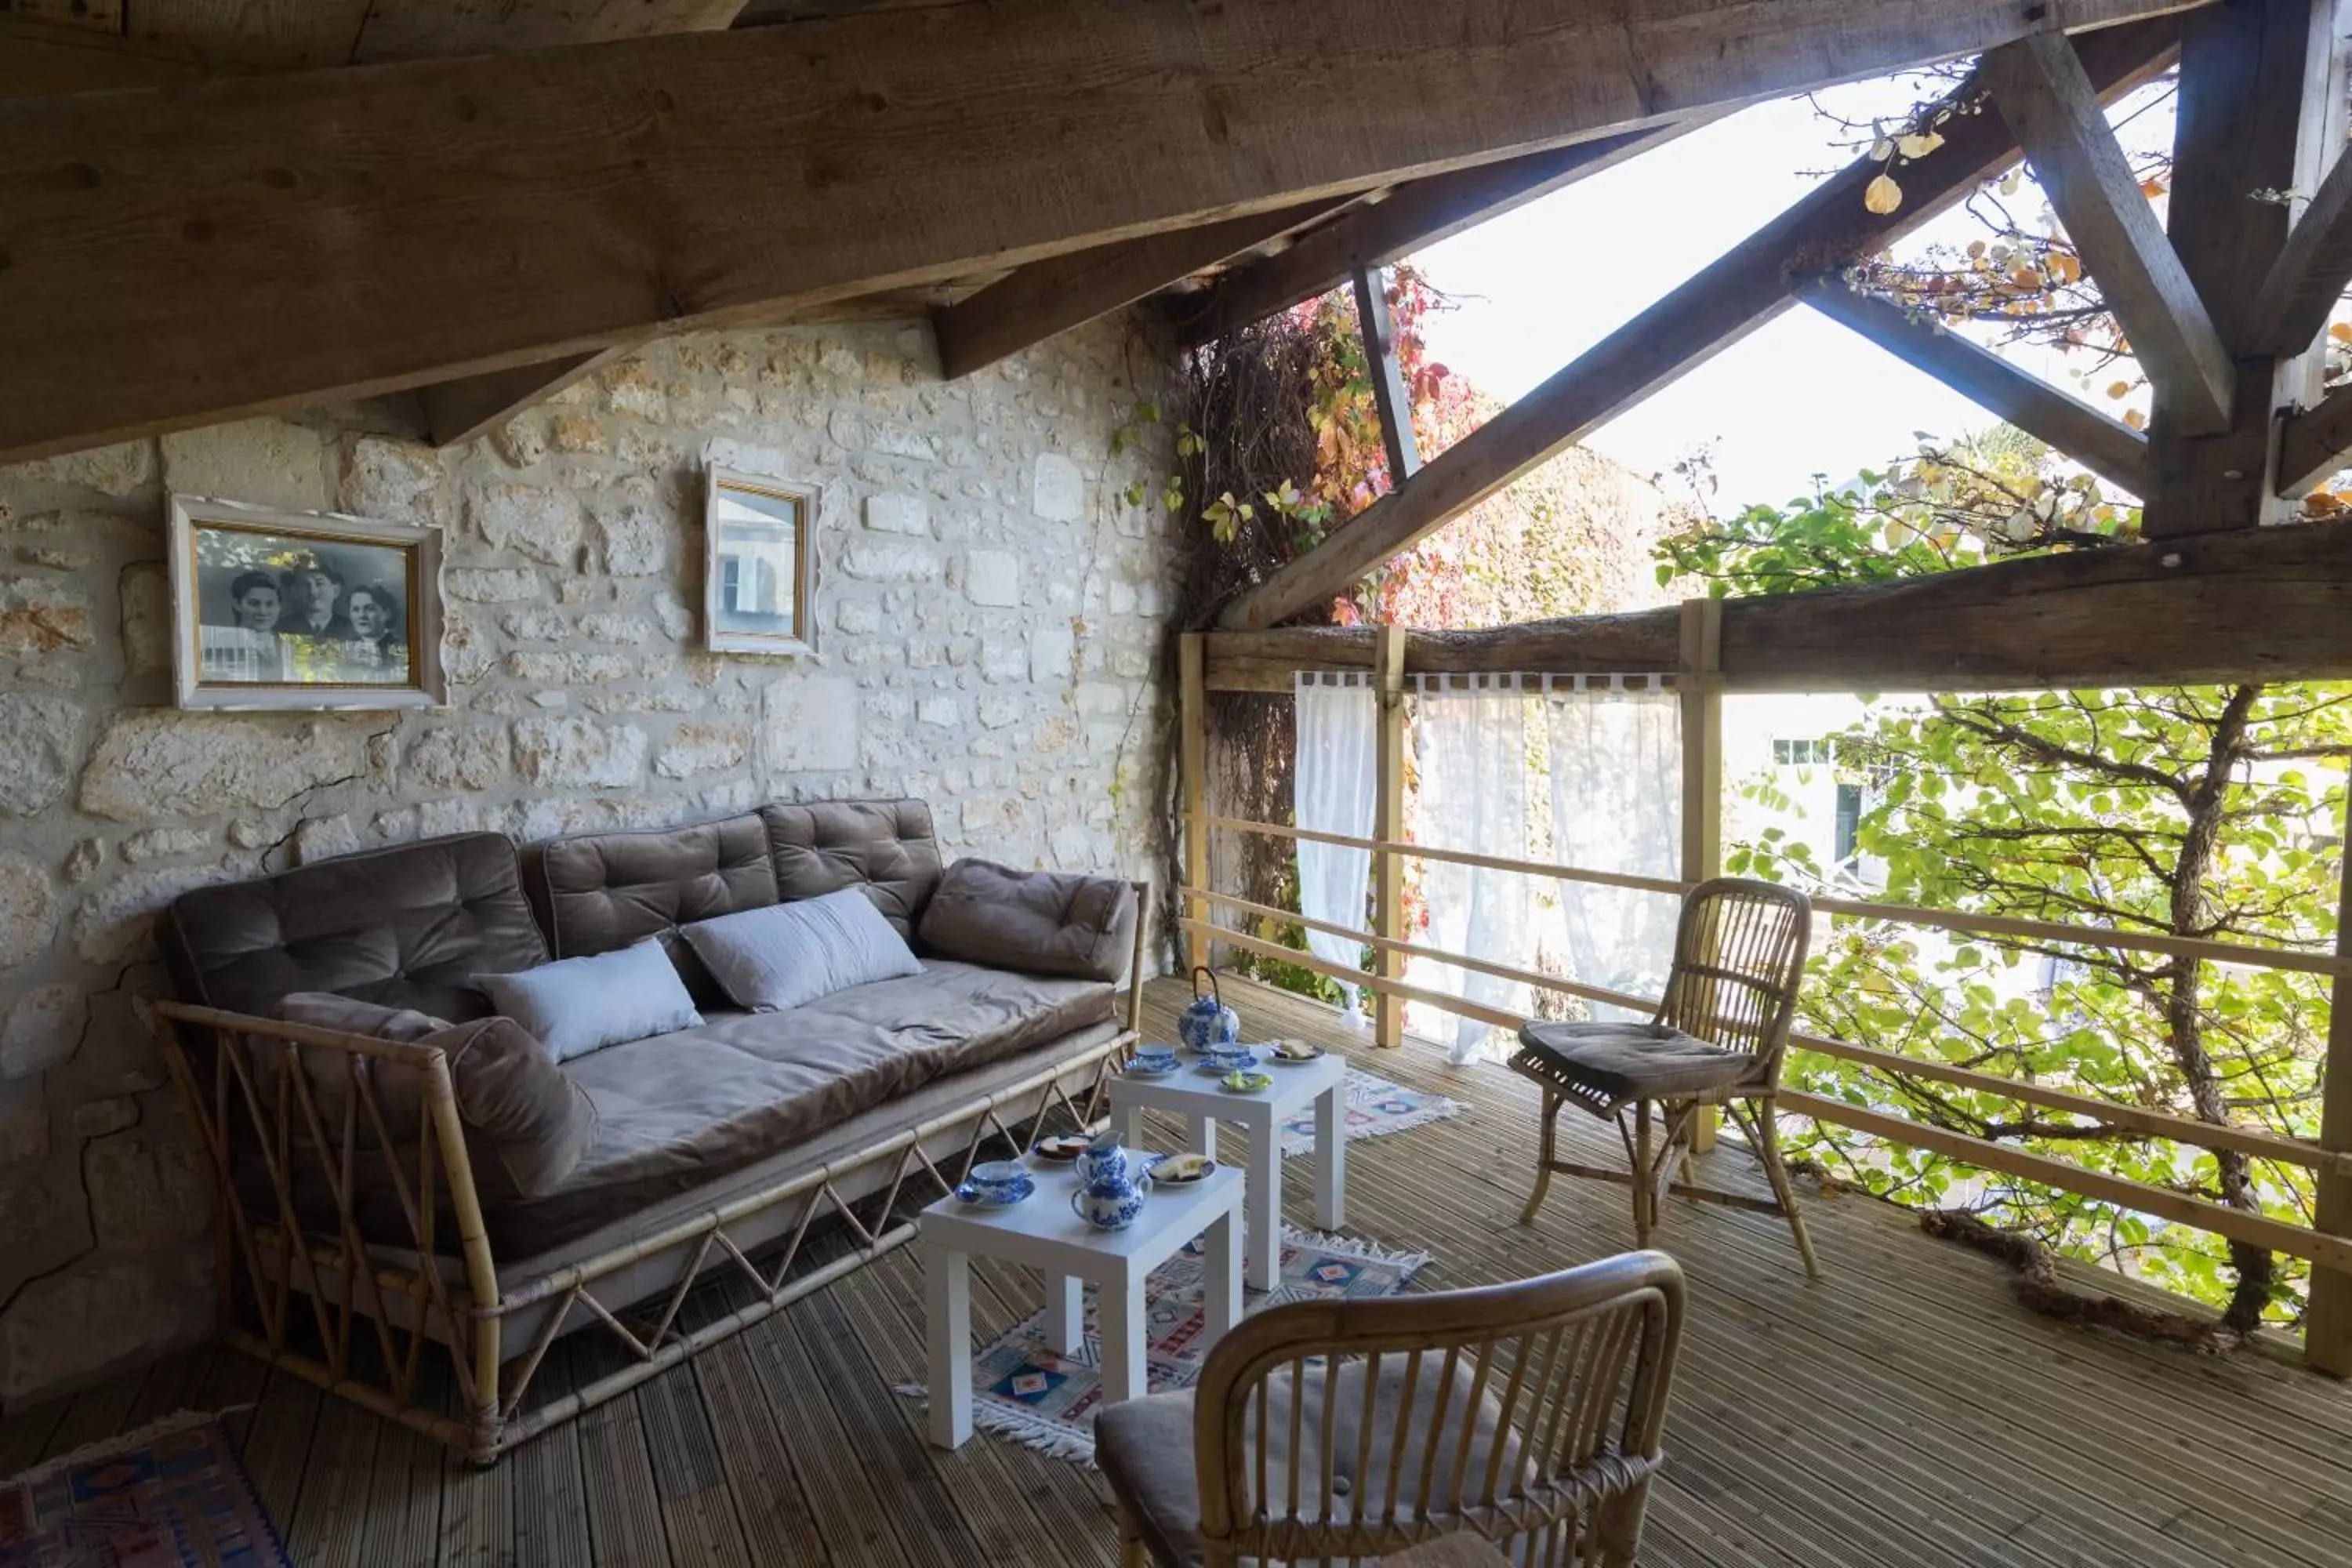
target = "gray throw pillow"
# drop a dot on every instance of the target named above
(788, 955)
(580, 1004)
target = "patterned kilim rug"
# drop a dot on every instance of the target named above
(170, 1495)
(1026, 1392)
(1376, 1108)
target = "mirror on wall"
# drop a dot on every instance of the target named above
(759, 593)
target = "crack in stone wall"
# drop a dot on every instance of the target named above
(992, 626)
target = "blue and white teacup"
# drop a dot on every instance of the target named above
(1155, 1058)
(1232, 1058)
(1000, 1181)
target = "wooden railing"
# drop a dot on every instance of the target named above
(2327, 1245)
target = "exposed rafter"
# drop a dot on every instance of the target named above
(1052, 296)
(412, 223)
(2041, 89)
(2108, 448)
(2313, 442)
(1419, 214)
(1738, 292)
(2311, 273)
(474, 405)
(1391, 397)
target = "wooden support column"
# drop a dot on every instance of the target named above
(2327, 1326)
(1698, 683)
(1192, 731)
(2259, 109)
(1388, 812)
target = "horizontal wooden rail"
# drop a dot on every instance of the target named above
(2248, 1140)
(1435, 955)
(2236, 1224)
(1248, 943)
(1907, 914)
(1452, 856)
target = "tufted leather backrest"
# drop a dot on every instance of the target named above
(405, 927)
(605, 890)
(883, 845)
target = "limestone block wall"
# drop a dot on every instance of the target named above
(991, 615)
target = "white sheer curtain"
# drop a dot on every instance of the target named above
(1335, 776)
(1471, 744)
(1616, 806)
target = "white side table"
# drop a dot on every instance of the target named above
(1044, 1235)
(1196, 1096)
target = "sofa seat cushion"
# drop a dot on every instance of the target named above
(680, 1110)
(1039, 923)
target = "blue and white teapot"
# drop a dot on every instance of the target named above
(1111, 1185)
(1208, 1023)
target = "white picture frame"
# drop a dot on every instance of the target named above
(351, 620)
(759, 564)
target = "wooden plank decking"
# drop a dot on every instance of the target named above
(1901, 1411)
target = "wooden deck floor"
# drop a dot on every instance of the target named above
(1901, 1413)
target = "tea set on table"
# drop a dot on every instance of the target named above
(1113, 1180)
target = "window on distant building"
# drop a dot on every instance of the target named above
(1803, 753)
(1849, 823)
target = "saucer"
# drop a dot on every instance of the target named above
(1062, 1149)
(1136, 1069)
(970, 1195)
(1246, 1082)
(1211, 1070)
(1195, 1168)
(1281, 1060)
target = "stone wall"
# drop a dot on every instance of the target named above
(992, 623)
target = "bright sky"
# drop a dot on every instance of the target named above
(1801, 395)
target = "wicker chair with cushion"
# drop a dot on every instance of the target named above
(1718, 1039)
(1491, 1412)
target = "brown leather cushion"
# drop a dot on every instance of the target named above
(406, 927)
(1039, 923)
(1630, 1061)
(1145, 1449)
(684, 1109)
(883, 845)
(525, 1124)
(606, 890)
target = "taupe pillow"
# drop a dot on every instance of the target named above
(525, 1124)
(1036, 922)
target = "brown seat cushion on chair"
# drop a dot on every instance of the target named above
(1632, 1062)
(1038, 922)
(1144, 1448)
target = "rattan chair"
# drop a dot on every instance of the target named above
(1490, 1412)
(1718, 1039)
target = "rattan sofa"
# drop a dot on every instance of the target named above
(372, 1236)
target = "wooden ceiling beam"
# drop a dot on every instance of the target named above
(41, 60)
(1417, 214)
(2312, 271)
(1051, 296)
(2039, 87)
(474, 405)
(1391, 398)
(2108, 448)
(1738, 292)
(2315, 442)
(2270, 603)
(269, 242)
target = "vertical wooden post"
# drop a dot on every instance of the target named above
(1192, 731)
(1698, 683)
(1388, 869)
(1391, 397)
(2327, 1326)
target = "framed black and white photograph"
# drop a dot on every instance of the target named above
(760, 567)
(303, 610)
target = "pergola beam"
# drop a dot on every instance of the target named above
(2108, 448)
(1049, 297)
(269, 242)
(1391, 399)
(1730, 298)
(2313, 443)
(2039, 87)
(474, 405)
(1420, 212)
(2312, 270)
